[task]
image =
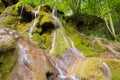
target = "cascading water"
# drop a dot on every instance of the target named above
(34, 23)
(23, 60)
(74, 49)
(59, 24)
(106, 70)
(63, 76)
(21, 10)
(53, 43)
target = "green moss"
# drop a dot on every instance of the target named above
(114, 66)
(60, 45)
(46, 17)
(2, 7)
(8, 60)
(89, 53)
(89, 47)
(42, 40)
(11, 19)
(82, 43)
(90, 69)
(22, 27)
(16, 8)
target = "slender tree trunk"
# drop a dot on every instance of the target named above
(110, 18)
(111, 27)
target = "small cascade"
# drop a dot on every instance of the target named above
(34, 23)
(63, 76)
(53, 43)
(23, 63)
(59, 24)
(74, 49)
(21, 10)
(106, 70)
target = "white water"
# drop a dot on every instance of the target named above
(23, 55)
(78, 53)
(53, 43)
(59, 24)
(61, 75)
(34, 23)
(106, 70)
(21, 10)
(24, 59)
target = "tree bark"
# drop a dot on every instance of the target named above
(111, 27)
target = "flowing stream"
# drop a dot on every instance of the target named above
(59, 24)
(34, 23)
(21, 10)
(53, 43)
(76, 52)
(106, 70)
(23, 62)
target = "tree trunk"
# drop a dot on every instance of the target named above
(110, 18)
(111, 27)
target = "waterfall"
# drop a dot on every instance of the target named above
(34, 23)
(62, 76)
(23, 62)
(106, 70)
(21, 10)
(74, 49)
(59, 24)
(53, 43)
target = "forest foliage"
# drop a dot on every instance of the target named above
(108, 10)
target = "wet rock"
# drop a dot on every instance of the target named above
(7, 42)
(12, 16)
(25, 59)
(31, 63)
(90, 69)
(8, 53)
(68, 58)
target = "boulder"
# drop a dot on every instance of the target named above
(8, 53)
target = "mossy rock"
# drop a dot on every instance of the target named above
(2, 6)
(46, 8)
(6, 43)
(82, 42)
(12, 17)
(114, 66)
(42, 31)
(90, 69)
(46, 17)
(8, 55)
